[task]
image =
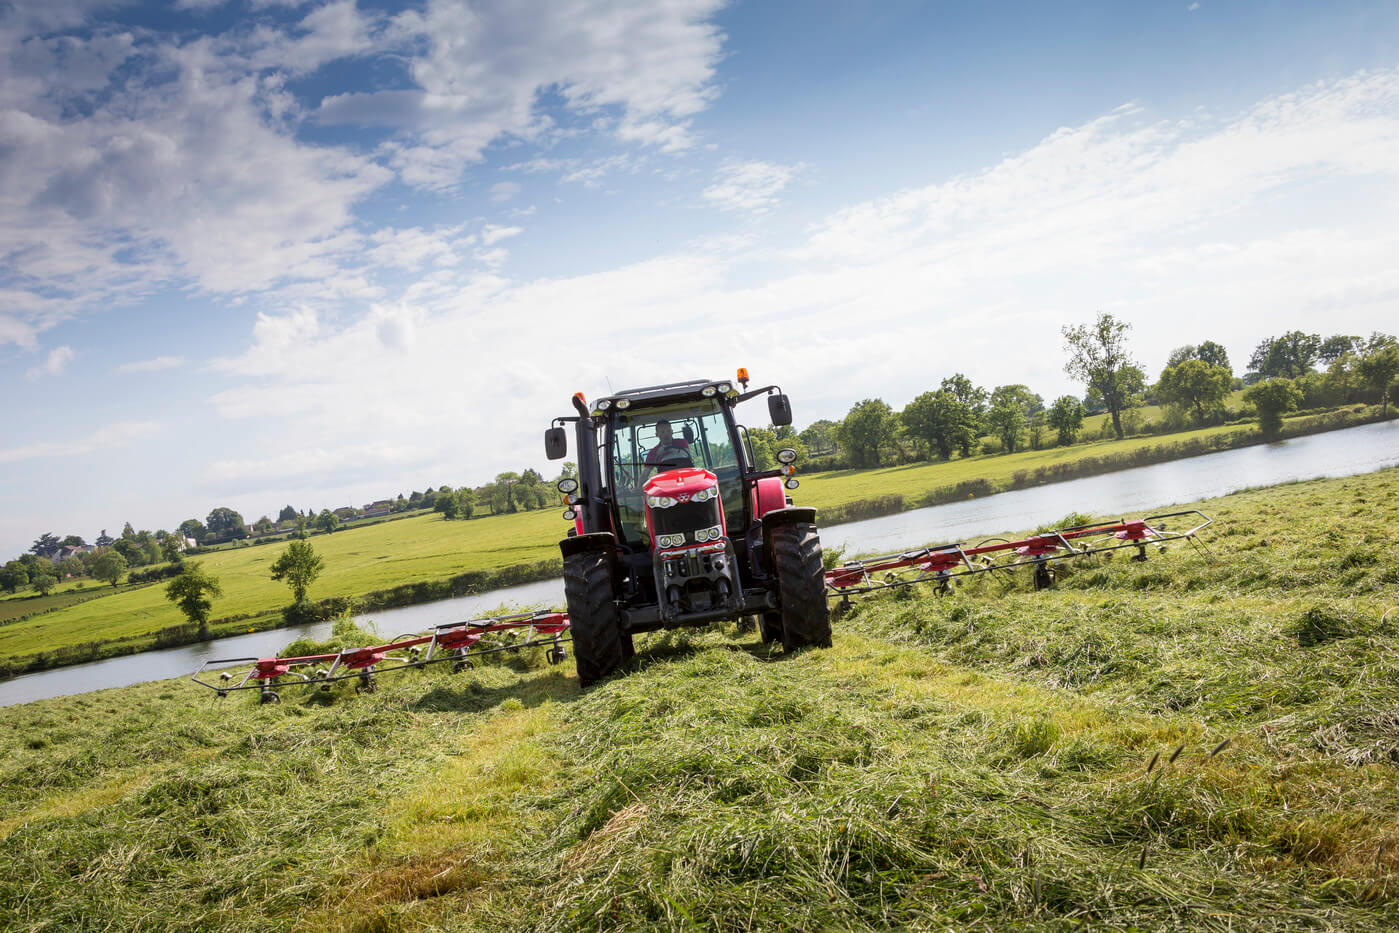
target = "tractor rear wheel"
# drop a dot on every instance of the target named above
(801, 585)
(599, 646)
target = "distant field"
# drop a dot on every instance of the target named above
(1093, 424)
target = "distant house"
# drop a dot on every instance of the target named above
(63, 553)
(347, 513)
(377, 508)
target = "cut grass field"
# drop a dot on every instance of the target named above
(1181, 744)
(424, 548)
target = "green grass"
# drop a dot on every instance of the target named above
(993, 759)
(426, 548)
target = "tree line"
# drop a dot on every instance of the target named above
(1293, 371)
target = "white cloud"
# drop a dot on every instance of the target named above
(749, 186)
(57, 359)
(484, 68)
(100, 441)
(493, 234)
(504, 191)
(1214, 230)
(153, 365)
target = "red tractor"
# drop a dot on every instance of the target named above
(674, 524)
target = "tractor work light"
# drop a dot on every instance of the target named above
(725, 388)
(708, 391)
(786, 455)
(567, 485)
(791, 482)
(569, 515)
(624, 403)
(603, 404)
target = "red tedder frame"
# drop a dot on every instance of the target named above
(459, 642)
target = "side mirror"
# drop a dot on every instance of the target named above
(779, 410)
(555, 443)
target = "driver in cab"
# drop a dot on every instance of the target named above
(670, 450)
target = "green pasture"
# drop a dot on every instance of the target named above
(1202, 741)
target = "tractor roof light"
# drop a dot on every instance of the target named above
(708, 391)
(786, 455)
(603, 404)
(624, 403)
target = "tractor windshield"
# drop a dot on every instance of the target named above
(651, 440)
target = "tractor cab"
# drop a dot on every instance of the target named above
(674, 524)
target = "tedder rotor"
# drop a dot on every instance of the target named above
(673, 525)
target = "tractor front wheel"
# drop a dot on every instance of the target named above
(801, 585)
(599, 646)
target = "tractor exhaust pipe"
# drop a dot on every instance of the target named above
(589, 471)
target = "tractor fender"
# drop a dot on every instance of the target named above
(787, 516)
(769, 495)
(597, 541)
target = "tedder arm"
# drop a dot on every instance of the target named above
(459, 642)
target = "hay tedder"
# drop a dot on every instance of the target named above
(674, 524)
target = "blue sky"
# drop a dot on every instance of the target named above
(264, 252)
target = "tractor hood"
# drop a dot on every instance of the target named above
(679, 485)
(683, 509)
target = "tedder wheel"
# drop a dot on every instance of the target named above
(801, 585)
(599, 646)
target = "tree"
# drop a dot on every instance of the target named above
(194, 591)
(939, 420)
(172, 548)
(1337, 346)
(13, 576)
(327, 521)
(104, 539)
(109, 566)
(1378, 369)
(45, 545)
(867, 427)
(193, 528)
(820, 437)
(1207, 352)
(299, 565)
(507, 482)
(1195, 384)
(1098, 357)
(74, 541)
(286, 515)
(1066, 417)
(226, 524)
(301, 522)
(263, 525)
(130, 550)
(1273, 399)
(1288, 356)
(71, 567)
(44, 583)
(974, 397)
(1009, 414)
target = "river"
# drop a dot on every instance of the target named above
(1127, 492)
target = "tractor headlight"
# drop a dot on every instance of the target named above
(704, 495)
(709, 534)
(660, 502)
(670, 540)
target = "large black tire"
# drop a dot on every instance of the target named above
(770, 626)
(599, 646)
(801, 585)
